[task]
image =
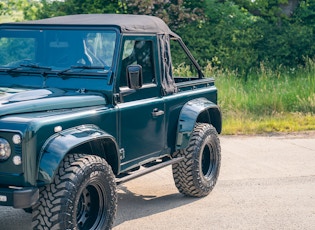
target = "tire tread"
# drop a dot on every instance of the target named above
(185, 173)
(48, 212)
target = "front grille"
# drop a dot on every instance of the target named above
(18, 149)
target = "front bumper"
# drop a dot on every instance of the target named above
(19, 198)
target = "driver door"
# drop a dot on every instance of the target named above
(142, 118)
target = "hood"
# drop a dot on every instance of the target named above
(14, 101)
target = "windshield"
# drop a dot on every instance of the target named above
(57, 49)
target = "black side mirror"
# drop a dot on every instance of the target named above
(134, 76)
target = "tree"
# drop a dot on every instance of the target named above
(271, 8)
(14, 7)
(305, 13)
(289, 8)
(175, 13)
(7, 6)
(50, 8)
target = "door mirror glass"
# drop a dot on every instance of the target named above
(134, 76)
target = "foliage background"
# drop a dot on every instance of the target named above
(238, 35)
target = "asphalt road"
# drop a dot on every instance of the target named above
(266, 182)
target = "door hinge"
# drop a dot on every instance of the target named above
(116, 98)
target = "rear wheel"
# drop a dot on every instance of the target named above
(82, 196)
(197, 174)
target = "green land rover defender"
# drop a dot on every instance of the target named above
(88, 102)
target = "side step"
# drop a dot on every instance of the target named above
(142, 172)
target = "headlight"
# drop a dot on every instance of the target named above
(16, 139)
(5, 149)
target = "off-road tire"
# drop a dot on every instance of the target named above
(197, 174)
(82, 196)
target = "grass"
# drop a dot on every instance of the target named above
(277, 123)
(268, 101)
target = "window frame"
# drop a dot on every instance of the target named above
(154, 57)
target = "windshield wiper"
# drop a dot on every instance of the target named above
(27, 68)
(86, 67)
(35, 66)
(7, 69)
(73, 70)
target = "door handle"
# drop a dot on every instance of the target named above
(156, 112)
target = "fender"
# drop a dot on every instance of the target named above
(58, 145)
(197, 110)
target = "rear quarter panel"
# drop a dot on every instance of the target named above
(187, 91)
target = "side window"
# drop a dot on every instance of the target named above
(182, 66)
(141, 53)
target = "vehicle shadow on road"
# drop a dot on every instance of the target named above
(133, 206)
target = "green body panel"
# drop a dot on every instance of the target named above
(47, 99)
(59, 145)
(188, 118)
(38, 128)
(142, 136)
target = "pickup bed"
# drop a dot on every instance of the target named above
(88, 102)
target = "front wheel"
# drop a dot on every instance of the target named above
(82, 196)
(197, 174)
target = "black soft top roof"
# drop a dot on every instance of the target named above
(126, 22)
